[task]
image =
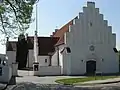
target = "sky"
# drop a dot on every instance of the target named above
(54, 14)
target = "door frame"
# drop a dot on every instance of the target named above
(92, 63)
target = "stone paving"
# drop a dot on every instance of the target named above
(42, 80)
(28, 82)
(25, 76)
(32, 86)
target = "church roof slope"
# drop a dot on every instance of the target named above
(46, 44)
(60, 32)
(11, 46)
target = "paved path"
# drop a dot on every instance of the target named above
(26, 76)
(108, 81)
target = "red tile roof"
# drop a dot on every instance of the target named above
(11, 46)
(60, 32)
(46, 44)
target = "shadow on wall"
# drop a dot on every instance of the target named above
(22, 52)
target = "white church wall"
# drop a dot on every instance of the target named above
(55, 56)
(91, 29)
(114, 40)
(77, 67)
(43, 60)
(11, 56)
(30, 58)
(61, 47)
(110, 62)
(54, 59)
(110, 34)
(65, 64)
(49, 70)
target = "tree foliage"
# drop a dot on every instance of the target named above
(22, 52)
(15, 16)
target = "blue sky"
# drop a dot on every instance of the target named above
(56, 13)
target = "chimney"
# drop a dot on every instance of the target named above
(76, 17)
(56, 30)
(53, 33)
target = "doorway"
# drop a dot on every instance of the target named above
(90, 67)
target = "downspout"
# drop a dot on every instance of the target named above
(50, 60)
(58, 55)
(7, 43)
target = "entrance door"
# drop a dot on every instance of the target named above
(90, 67)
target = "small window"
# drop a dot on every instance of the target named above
(68, 50)
(45, 60)
(102, 59)
(90, 23)
(81, 60)
(115, 50)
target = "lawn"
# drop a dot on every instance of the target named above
(71, 81)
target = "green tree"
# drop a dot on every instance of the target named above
(22, 52)
(15, 16)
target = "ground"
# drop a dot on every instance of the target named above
(26, 76)
(86, 79)
(47, 82)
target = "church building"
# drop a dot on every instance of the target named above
(84, 45)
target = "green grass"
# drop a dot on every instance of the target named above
(71, 81)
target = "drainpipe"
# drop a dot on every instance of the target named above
(50, 60)
(58, 55)
(7, 43)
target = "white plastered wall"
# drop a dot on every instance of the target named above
(42, 61)
(11, 56)
(30, 58)
(91, 29)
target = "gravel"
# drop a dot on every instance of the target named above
(32, 86)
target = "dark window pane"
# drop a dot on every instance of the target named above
(45, 60)
(90, 24)
(68, 50)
